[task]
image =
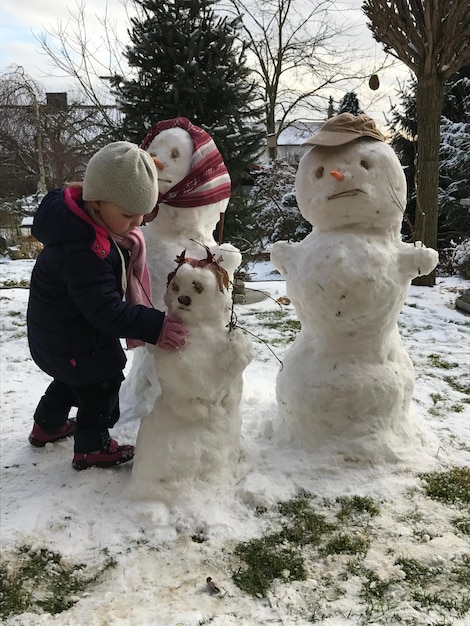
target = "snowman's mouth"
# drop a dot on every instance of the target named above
(347, 192)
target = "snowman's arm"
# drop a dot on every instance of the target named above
(281, 253)
(417, 260)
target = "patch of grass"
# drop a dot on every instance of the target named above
(382, 597)
(279, 320)
(437, 361)
(457, 443)
(265, 560)
(457, 385)
(447, 599)
(278, 555)
(461, 572)
(345, 543)
(415, 572)
(329, 540)
(437, 397)
(452, 486)
(377, 595)
(373, 587)
(412, 517)
(462, 524)
(354, 506)
(39, 580)
(304, 525)
(14, 284)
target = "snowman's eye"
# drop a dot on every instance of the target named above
(365, 164)
(319, 172)
(175, 153)
(198, 286)
(175, 287)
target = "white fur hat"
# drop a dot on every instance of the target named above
(124, 174)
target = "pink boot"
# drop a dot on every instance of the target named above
(113, 454)
(39, 438)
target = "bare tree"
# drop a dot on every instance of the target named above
(90, 62)
(432, 38)
(43, 141)
(21, 132)
(296, 56)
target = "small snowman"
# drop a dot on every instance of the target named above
(347, 380)
(191, 438)
(194, 191)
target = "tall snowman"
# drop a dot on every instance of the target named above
(194, 190)
(347, 382)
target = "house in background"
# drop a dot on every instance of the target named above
(290, 140)
(26, 224)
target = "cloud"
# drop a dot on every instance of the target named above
(23, 24)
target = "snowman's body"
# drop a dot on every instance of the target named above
(173, 229)
(347, 380)
(191, 437)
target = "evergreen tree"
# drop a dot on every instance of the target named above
(454, 171)
(404, 127)
(189, 62)
(454, 181)
(278, 216)
(349, 103)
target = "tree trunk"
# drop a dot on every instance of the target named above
(429, 102)
(271, 130)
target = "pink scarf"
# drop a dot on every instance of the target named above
(139, 290)
(208, 180)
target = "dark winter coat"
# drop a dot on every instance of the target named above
(76, 311)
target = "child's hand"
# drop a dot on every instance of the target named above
(173, 334)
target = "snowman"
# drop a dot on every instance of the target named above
(347, 381)
(194, 190)
(191, 437)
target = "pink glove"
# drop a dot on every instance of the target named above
(173, 334)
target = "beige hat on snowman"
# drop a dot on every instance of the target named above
(344, 128)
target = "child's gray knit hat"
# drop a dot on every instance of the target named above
(124, 174)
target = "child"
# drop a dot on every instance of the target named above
(89, 287)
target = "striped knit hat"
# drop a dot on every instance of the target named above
(208, 180)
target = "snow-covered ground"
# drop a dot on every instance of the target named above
(160, 574)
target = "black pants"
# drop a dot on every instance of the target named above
(98, 410)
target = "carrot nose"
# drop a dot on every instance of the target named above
(337, 174)
(158, 163)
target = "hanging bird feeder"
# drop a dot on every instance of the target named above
(374, 82)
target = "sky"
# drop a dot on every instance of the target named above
(23, 21)
(163, 554)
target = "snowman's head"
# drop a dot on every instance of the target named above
(359, 184)
(173, 147)
(194, 296)
(192, 170)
